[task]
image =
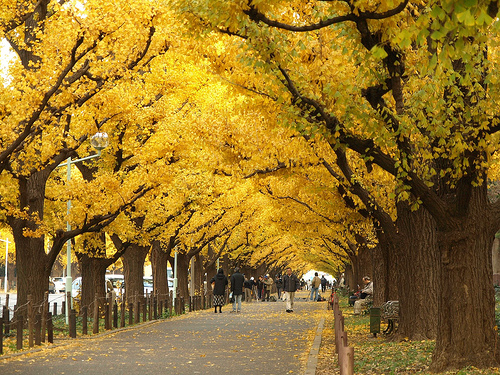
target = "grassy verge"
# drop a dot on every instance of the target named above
(379, 355)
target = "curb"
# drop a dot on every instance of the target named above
(312, 360)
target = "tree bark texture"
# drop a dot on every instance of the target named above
(133, 265)
(467, 334)
(33, 268)
(159, 259)
(416, 259)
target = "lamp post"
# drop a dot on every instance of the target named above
(6, 260)
(99, 141)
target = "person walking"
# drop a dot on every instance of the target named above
(323, 283)
(315, 284)
(219, 282)
(290, 285)
(279, 285)
(237, 280)
(260, 288)
(249, 284)
(268, 285)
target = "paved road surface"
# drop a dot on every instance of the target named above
(263, 339)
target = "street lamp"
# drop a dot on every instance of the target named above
(6, 260)
(99, 141)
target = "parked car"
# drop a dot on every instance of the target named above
(76, 287)
(60, 284)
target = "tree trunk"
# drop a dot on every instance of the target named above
(33, 270)
(384, 272)
(159, 267)
(198, 275)
(182, 275)
(93, 278)
(416, 259)
(467, 334)
(133, 266)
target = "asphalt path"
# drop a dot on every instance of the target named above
(263, 339)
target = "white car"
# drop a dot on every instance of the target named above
(59, 284)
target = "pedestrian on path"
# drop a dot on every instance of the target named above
(290, 285)
(279, 285)
(268, 285)
(237, 280)
(219, 283)
(315, 283)
(249, 284)
(323, 283)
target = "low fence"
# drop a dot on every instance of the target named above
(35, 320)
(345, 352)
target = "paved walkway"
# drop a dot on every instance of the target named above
(263, 339)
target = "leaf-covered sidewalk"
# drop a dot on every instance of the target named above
(263, 339)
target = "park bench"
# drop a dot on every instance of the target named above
(390, 313)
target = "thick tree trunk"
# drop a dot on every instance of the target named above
(384, 272)
(467, 334)
(33, 270)
(133, 266)
(159, 267)
(182, 275)
(416, 259)
(198, 275)
(93, 279)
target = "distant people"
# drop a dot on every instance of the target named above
(219, 282)
(237, 281)
(279, 285)
(323, 284)
(268, 286)
(249, 284)
(315, 284)
(365, 295)
(290, 285)
(260, 287)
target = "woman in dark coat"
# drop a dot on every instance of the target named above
(219, 283)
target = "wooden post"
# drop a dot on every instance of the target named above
(160, 308)
(31, 321)
(63, 307)
(1, 335)
(115, 314)
(155, 306)
(45, 310)
(6, 320)
(84, 320)
(130, 313)
(19, 332)
(147, 301)
(137, 312)
(95, 328)
(50, 328)
(107, 326)
(122, 312)
(144, 311)
(54, 309)
(346, 360)
(72, 323)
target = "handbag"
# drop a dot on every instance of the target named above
(231, 297)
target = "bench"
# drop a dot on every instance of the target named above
(390, 313)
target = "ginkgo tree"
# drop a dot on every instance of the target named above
(409, 86)
(67, 55)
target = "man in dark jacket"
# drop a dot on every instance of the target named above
(237, 280)
(290, 285)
